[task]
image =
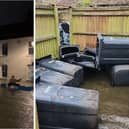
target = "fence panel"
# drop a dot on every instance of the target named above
(86, 23)
(47, 33)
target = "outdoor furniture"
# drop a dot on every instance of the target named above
(66, 107)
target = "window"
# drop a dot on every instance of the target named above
(4, 70)
(5, 49)
(0, 71)
(30, 49)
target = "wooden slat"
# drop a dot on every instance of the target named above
(101, 9)
(46, 38)
(94, 33)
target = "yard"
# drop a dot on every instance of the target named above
(85, 24)
(114, 101)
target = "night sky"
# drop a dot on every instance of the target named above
(16, 19)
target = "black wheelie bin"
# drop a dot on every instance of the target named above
(66, 107)
(66, 68)
(50, 76)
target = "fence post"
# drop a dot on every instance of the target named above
(36, 120)
(70, 10)
(57, 27)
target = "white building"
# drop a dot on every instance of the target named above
(18, 59)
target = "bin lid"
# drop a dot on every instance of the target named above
(50, 76)
(57, 65)
(67, 49)
(117, 68)
(67, 99)
(115, 40)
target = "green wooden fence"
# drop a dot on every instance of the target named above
(85, 24)
(47, 32)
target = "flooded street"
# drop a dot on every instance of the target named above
(114, 101)
(16, 109)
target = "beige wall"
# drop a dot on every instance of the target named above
(18, 57)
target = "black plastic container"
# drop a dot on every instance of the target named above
(66, 107)
(53, 77)
(72, 55)
(66, 68)
(85, 61)
(90, 51)
(120, 75)
(112, 50)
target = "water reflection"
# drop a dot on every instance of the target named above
(16, 109)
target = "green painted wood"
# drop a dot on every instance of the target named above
(47, 32)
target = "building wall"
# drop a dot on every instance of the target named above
(18, 57)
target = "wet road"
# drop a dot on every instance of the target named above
(16, 109)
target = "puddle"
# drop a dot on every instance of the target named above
(110, 126)
(113, 122)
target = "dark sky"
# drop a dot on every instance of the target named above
(16, 18)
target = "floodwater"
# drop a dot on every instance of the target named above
(16, 109)
(114, 101)
(113, 122)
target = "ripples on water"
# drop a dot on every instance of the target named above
(16, 109)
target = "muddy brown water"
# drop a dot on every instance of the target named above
(114, 101)
(16, 109)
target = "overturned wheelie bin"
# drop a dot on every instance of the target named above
(66, 107)
(109, 51)
(72, 54)
(112, 50)
(62, 67)
(53, 77)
